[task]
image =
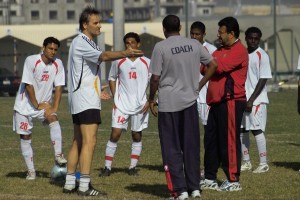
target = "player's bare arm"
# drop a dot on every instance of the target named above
(146, 107)
(154, 81)
(104, 94)
(56, 101)
(31, 94)
(114, 55)
(112, 86)
(210, 70)
(259, 87)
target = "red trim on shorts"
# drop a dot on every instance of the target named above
(256, 109)
(231, 140)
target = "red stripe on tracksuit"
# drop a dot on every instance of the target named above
(231, 139)
(169, 182)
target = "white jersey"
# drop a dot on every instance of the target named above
(42, 77)
(259, 67)
(84, 85)
(132, 78)
(202, 94)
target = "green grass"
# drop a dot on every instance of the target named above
(281, 182)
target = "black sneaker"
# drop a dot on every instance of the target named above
(132, 172)
(91, 192)
(105, 172)
(69, 191)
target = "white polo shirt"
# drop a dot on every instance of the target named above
(84, 85)
(132, 79)
(259, 67)
(42, 77)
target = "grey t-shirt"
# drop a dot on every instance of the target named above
(177, 61)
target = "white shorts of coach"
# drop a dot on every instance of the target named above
(203, 110)
(138, 121)
(257, 119)
(23, 124)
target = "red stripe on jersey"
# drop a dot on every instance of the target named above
(144, 61)
(56, 66)
(109, 158)
(135, 157)
(119, 65)
(231, 140)
(259, 56)
(37, 62)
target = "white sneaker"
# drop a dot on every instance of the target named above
(31, 175)
(209, 184)
(230, 186)
(262, 168)
(196, 194)
(246, 166)
(60, 160)
(183, 196)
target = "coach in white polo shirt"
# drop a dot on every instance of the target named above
(84, 89)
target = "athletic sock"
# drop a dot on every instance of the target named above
(55, 134)
(70, 181)
(84, 182)
(245, 146)
(111, 148)
(135, 153)
(262, 147)
(27, 153)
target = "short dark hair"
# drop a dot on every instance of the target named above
(84, 16)
(198, 25)
(50, 40)
(231, 24)
(253, 29)
(171, 23)
(132, 35)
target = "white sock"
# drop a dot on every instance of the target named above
(135, 153)
(84, 182)
(245, 146)
(55, 134)
(70, 181)
(111, 148)
(262, 148)
(27, 153)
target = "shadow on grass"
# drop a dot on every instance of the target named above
(41, 174)
(158, 190)
(158, 168)
(294, 144)
(290, 165)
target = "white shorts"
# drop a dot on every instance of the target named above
(138, 121)
(257, 119)
(203, 110)
(23, 124)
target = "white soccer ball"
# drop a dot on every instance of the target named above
(58, 173)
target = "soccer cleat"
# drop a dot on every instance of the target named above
(230, 186)
(196, 194)
(132, 172)
(31, 175)
(105, 172)
(68, 190)
(207, 184)
(246, 166)
(262, 168)
(60, 160)
(90, 192)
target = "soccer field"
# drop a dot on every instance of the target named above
(281, 182)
